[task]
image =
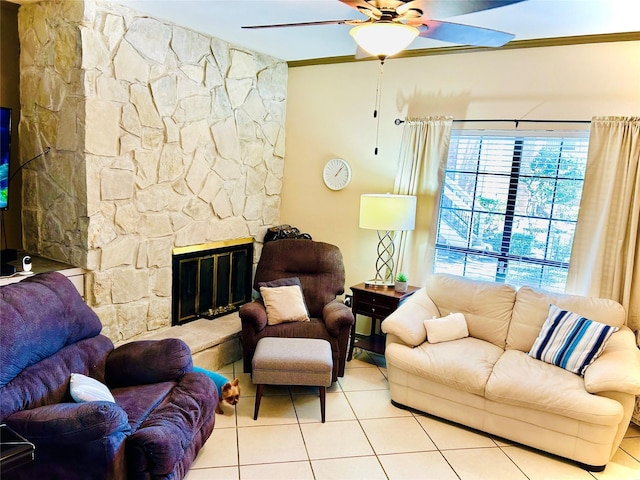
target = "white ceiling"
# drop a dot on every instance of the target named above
(531, 19)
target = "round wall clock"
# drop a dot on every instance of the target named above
(336, 174)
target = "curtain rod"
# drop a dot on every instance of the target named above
(399, 121)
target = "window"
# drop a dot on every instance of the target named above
(509, 206)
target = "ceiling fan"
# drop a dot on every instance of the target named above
(393, 24)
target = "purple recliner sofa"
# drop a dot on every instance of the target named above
(163, 411)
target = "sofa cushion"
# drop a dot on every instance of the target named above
(47, 381)
(486, 306)
(140, 401)
(31, 333)
(570, 341)
(532, 307)
(518, 379)
(445, 329)
(464, 364)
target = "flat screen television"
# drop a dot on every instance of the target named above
(5, 150)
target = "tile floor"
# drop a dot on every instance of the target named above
(367, 437)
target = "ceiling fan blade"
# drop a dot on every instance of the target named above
(448, 8)
(410, 10)
(364, 7)
(464, 34)
(305, 24)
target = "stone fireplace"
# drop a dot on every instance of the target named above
(211, 280)
(161, 138)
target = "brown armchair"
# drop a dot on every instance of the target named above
(320, 269)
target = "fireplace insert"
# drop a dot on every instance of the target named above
(210, 280)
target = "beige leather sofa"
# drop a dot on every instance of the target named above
(488, 381)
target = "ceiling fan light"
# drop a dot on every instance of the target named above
(383, 39)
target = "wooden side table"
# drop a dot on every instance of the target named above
(377, 303)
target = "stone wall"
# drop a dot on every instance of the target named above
(160, 136)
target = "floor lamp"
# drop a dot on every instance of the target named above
(387, 214)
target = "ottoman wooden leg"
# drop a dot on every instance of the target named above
(323, 391)
(258, 398)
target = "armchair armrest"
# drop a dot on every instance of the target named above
(70, 423)
(148, 361)
(617, 369)
(336, 316)
(254, 314)
(407, 322)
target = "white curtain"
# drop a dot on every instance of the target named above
(605, 259)
(421, 165)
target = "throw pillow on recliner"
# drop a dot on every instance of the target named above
(284, 301)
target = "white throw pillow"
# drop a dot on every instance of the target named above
(444, 329)
(87, 389)
(284, 304)
(570, 341)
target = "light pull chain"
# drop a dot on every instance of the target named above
(376, 110)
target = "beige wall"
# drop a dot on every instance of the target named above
(330, 114)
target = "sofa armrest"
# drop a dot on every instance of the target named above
(617, 369)
(407, 322)
(254, 314)
(70, 423)
(336, 316)
(148, 361)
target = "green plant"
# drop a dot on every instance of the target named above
(401, 277)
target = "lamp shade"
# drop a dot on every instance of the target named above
(387, 212)
(383, 39)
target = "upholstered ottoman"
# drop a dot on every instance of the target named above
(292, 361)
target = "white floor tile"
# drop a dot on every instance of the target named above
(271, 444)
(220, 449)
(222, 473)
(365, 436)
(483, 464)
(360, 359)
(374, 404)
(631, 445)
(412, 466)
(228, 418)
(537, 466)
(274, 410)
(621, 467)
(337, 408)
(335, 439)
(366, 378)
(354, 468)
(277, 471)
(396, 435)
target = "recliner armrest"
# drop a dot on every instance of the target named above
(336, 316)
(70, 423)
(254, 314)
(617, 369)
(148, 361)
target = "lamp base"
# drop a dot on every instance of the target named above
(379, 283)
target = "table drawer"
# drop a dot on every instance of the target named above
(373, 308)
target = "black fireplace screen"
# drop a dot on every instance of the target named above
(211, 280)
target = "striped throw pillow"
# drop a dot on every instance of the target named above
(570, 341)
